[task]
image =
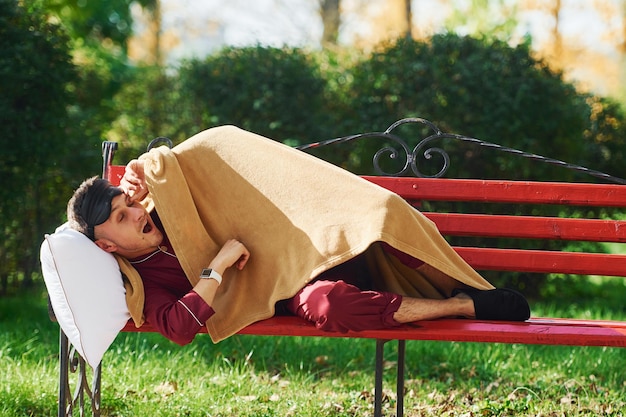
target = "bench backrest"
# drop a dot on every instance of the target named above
(567, 195)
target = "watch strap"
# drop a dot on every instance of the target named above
(208, 273)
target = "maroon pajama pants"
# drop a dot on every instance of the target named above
(341, 299)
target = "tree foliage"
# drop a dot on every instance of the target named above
(96, 22)
(605, 136)
(61, 63)
(146, 107)
(99, 32)
(35, 69)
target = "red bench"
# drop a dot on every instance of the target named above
(546, 331)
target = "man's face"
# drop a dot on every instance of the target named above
(129, 231)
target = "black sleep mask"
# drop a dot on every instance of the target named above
(96, 207)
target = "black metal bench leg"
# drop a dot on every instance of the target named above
(71, 362)
(95, 399)
(378, 383)
(400, 379)
(63, 374)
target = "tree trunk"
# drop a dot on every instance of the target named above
(408, 19)
(331, 19)
(155, 28)
(557, 39)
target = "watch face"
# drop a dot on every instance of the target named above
(208, 273)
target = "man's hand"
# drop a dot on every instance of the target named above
(133, 182)
(233, 253)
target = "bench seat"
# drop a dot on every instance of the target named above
(536, 331)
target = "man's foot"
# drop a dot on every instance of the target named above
(498, 304)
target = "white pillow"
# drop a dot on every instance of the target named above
(86, 291)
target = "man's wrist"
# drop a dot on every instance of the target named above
(210, 273)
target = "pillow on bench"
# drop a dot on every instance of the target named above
(86, 291)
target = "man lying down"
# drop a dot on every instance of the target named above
(229, 228)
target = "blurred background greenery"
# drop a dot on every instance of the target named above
(70, 79)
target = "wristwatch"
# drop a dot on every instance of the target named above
(208, 273)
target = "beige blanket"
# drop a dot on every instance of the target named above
(297, 214)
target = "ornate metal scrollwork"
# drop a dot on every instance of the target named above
(411, 156)
(160, 140)
(72, 363)
(390, 151)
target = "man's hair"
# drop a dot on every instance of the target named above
(91, 205)
(74, 217)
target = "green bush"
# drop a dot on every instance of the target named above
(278, 93)
(147, 107)
(605, 136)
(35, 69)
(475, 87)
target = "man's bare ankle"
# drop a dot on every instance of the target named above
(466, 306)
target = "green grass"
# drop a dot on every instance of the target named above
(145, 375)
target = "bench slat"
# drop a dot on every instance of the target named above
(542, 331)
(496, 191)
(529, 227)
(544, 261)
